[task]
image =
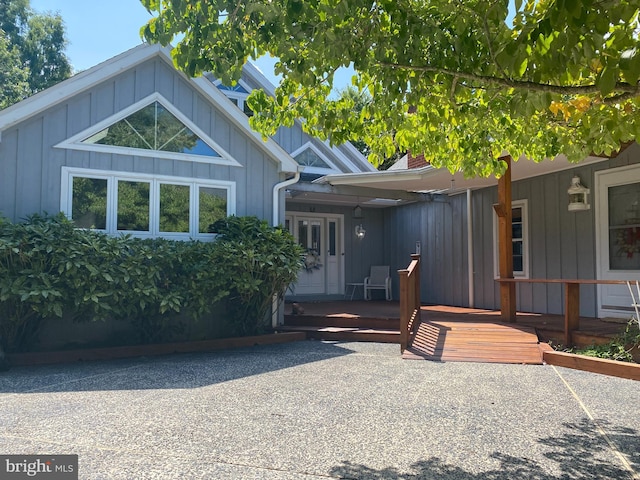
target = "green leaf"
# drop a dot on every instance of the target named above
(630, 65)
(606, 82)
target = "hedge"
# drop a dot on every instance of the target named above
(50, 269)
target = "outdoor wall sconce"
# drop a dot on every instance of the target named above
(360, 232)
(578, 196)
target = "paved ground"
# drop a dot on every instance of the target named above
(313, 410)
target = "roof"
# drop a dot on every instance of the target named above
(349, 155)
(429, 179)
(87, 79)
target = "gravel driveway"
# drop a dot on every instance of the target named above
(317, 410)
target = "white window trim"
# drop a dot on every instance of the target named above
(524, 205)
(240, 97)
(76, 141)
(112, 177)
(307, 169)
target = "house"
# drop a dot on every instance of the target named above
(119, 145)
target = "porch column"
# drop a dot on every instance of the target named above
(505, 245)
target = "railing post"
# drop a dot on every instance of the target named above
(416, 282)
(404, 309)
(409, 300)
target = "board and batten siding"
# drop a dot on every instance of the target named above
(30, 181)
(441, 228)
(561, 243)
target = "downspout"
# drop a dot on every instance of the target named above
(470, 249)
(276, 221)
(276, 196)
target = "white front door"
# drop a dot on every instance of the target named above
(617, 237)
(321, 237)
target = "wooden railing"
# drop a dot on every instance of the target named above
(409, 302)
(571, 299)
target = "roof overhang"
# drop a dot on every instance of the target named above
(439, 180)
(350, 196)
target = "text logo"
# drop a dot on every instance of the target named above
(49, 467)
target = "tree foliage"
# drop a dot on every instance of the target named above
(360, 99)
(534, 77)
(32, 48)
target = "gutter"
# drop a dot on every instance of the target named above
(276, 195)
(276, 221)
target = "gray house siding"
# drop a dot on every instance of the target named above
(31, 164)
(561, 243)
(441, 228)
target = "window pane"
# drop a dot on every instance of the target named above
(133, 206)
(174, 208)
(315, 237)
(153, 128)
(310, 159)
(516, 214)
(624, 227)
(517, 263)
(517, 248)
(332, 238)
(303, 227)
(89, 203)
(212, 207)
(516, 230)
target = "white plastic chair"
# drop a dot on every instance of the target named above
(378, 279)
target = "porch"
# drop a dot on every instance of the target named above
(447, 333)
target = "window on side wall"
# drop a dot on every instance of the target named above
(519, 240)
(145, 205)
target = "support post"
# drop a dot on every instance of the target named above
(505, 245)
(571, 311)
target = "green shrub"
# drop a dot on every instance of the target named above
(50, 269)
(617, 349)
(46, 269)
(258, 262)
(173, 277)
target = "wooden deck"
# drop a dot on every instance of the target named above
(447, 333)
(486, 342)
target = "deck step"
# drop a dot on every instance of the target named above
(346, 334)
(487, 342)
(343, 320)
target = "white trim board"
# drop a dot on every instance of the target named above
(76, 141)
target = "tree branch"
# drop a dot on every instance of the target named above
(626, 89)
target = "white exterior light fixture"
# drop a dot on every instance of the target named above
(360, 232)
(578, 196)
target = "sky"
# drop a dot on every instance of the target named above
(99, 30)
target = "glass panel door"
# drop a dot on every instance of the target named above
(309, 232)
(617, 237)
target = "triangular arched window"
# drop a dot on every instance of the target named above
(152, 128)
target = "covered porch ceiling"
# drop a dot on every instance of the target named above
(429, 180)
(350, 196)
